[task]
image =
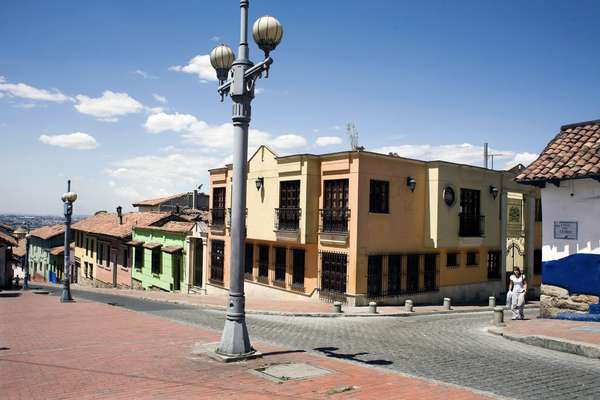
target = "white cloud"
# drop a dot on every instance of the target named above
(459, 153)
(158, 175)
(144, 74)
(521, 158)
(109, 107)
(162, 122)
(29, 92)
(259, 90)
(200, 66)
(288, 141)
(323, 141)
(215, 38)
(216, 137)
(155, 110)
(77, 140)
(159, 98)
(25, 105)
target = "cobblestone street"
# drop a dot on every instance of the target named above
(454, 349)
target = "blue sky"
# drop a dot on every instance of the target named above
(117, 96)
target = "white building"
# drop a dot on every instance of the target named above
(568, 173)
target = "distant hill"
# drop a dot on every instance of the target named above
(33, 221)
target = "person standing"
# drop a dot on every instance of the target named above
(518, 287)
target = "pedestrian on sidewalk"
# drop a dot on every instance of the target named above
(518, 287)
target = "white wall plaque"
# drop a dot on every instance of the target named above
(565, 230)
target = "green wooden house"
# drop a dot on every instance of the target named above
(159, 256)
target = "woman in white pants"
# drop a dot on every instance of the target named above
(518, 287)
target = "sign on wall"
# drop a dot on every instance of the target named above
(565, 230)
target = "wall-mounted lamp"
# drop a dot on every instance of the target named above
(260, 181)
(494, 191)
(411, 183)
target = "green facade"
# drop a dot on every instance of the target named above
(169, 263)
(41, 262)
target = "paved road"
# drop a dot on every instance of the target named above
(453, 349)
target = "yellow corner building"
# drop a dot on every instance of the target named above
(359, 226)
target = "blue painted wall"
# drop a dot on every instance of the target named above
(578, 273)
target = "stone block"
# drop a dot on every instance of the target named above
(585, 298)
(554, 291)
(569, 305)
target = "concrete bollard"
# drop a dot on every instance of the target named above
(447, 303)
(408, 305)
(492, 302)
(373, 307)
(499, 316)
(337, 307)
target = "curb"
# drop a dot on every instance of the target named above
(303, 314)
(552, 343)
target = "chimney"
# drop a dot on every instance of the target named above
(195, 200)
(485, 155)
(120, 214)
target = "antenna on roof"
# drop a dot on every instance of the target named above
(353, 136)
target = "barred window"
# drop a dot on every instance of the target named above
(379, 197)
(452, 260)
(472, 259)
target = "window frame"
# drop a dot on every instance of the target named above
(156, 261)
(379, 196)
(469, 264)
(456, 256)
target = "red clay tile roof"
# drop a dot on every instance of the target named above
(173, 226)
(58, 250)
(9, 240)
(108, 223)
(155, 202)
(152, 245)
(19, 250)
(573, 153)
(47, 232)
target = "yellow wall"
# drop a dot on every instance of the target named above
(418, 222)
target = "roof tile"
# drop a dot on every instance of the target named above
(574, 152)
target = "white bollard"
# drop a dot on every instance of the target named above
(408, 305)
(499, 316)
(373, 307)
(337, 307)
(447, 303)
(492, 302)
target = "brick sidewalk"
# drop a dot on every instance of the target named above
(267, 305)
(87, 350)
(577, 331)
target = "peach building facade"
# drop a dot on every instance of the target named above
(360, 226)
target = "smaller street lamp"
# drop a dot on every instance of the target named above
(26, 266)
(67, 198)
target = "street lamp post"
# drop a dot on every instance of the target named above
(67, 198)
(267, 32)
(26, 266)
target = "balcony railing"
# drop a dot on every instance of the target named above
(217, 217)
(287, 219)
(471, 225)
(334, 220)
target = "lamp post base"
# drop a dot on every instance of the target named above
(235, 342)
(65, 297)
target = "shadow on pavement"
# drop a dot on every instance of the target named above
(10, 294)
(275, 353)
(330, 352)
